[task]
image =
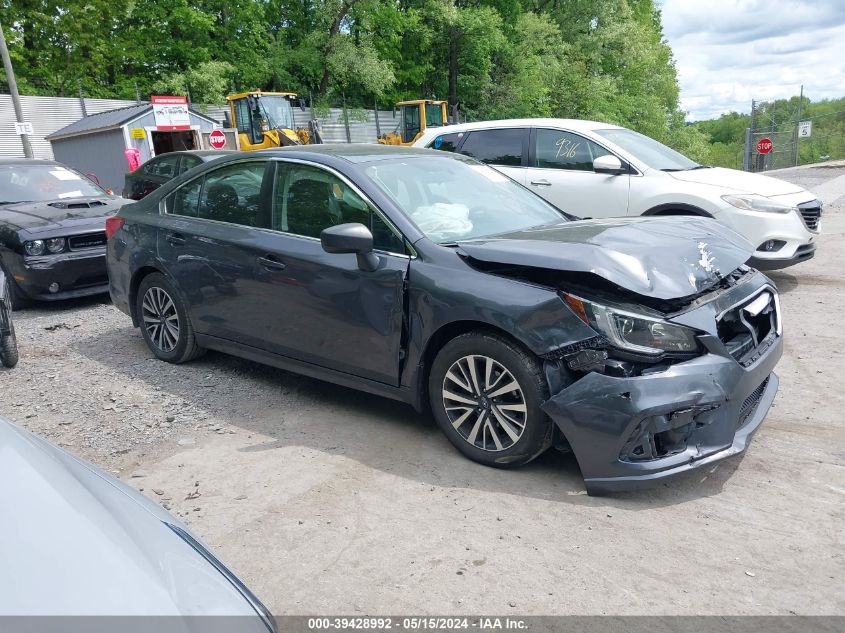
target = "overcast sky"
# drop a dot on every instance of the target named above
(731, 51)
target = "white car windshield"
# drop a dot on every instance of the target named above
(27, 182)
(654, 154)
(453, 199)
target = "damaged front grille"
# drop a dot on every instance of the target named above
(749, 328)
(749, 405)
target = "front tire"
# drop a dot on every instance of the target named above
(165, 324)
(485, 393)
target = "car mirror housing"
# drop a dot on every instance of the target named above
(351, 238)
(609, 164)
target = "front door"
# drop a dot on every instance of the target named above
(320, 307)
(561, 170)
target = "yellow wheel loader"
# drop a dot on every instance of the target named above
(265, 120)
(414, 118)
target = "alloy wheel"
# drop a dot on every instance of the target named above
(161, 320)
(484, 403)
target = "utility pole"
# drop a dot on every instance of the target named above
(797, 121)
(13, 90)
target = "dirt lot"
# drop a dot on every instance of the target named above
(329, 501)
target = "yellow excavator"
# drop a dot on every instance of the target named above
(265, 120)
(415, 117)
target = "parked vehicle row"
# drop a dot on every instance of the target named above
(599, 170)
(644, 345)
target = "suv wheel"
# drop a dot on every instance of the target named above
(485, 393)
(165, 324)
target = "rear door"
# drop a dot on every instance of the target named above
(561, 170)
(320, 307)
(206, 241)
(505, 149)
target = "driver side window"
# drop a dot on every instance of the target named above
(308, 199)
(557, 149)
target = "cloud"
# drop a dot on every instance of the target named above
(729, 52)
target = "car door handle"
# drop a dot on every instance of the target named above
(175, 238)
(270, 262)
(541, 183)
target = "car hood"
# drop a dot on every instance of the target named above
(36, 217)
(661, 258)
(739, 181)
(75, 541)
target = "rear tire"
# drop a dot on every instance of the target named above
(165, 324)
(472, 405)
(9, 348)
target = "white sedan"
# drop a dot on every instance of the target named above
(597, 170)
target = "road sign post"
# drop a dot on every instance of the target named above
(765, 145)
(217, 139)
(16, 98)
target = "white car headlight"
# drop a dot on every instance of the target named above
(758, 203)
(633, 332)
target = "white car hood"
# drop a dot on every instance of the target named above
(740, 181)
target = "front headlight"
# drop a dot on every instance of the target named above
(55, 244)
(758, 203)
(633, 332)
(35, 247)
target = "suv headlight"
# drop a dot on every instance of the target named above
(758, 203)
(633, 332)
(35, 247)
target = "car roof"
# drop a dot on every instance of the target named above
(352, 152)
(576, 125)
(205, 154)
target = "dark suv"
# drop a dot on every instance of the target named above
(646, 346)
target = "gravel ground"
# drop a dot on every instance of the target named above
(325, 500)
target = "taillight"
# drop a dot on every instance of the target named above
(113, 225)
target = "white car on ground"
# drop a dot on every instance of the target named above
(597, 170)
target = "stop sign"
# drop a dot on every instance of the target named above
(218, 140)
(764, 146)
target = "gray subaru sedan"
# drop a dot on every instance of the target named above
(644, 346)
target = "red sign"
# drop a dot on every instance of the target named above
(764, 146)
(217, 139)
(171, 113)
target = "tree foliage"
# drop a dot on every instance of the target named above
(598, 59)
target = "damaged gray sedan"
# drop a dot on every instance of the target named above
(644, 346)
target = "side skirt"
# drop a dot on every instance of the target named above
(403, 394)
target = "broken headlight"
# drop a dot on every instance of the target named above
(633, 332)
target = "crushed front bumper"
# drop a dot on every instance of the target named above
(629, 433)
(77, 274)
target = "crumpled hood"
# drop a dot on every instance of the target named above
(739, 181)
(75, 541)
(68, 213)
(661, 258)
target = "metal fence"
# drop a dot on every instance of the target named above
(50, 114)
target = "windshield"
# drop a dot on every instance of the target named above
(278, 112)
(38, 183)
(655, 155)
(454, 198)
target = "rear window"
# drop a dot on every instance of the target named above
(495, 147)
(447, 142)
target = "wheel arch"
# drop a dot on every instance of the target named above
(678, 208)
(137, 277)
(448, 332)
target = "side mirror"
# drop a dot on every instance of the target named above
(609, 164)
(351, 238)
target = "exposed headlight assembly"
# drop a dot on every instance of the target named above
(633, 332)
(758, 203)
